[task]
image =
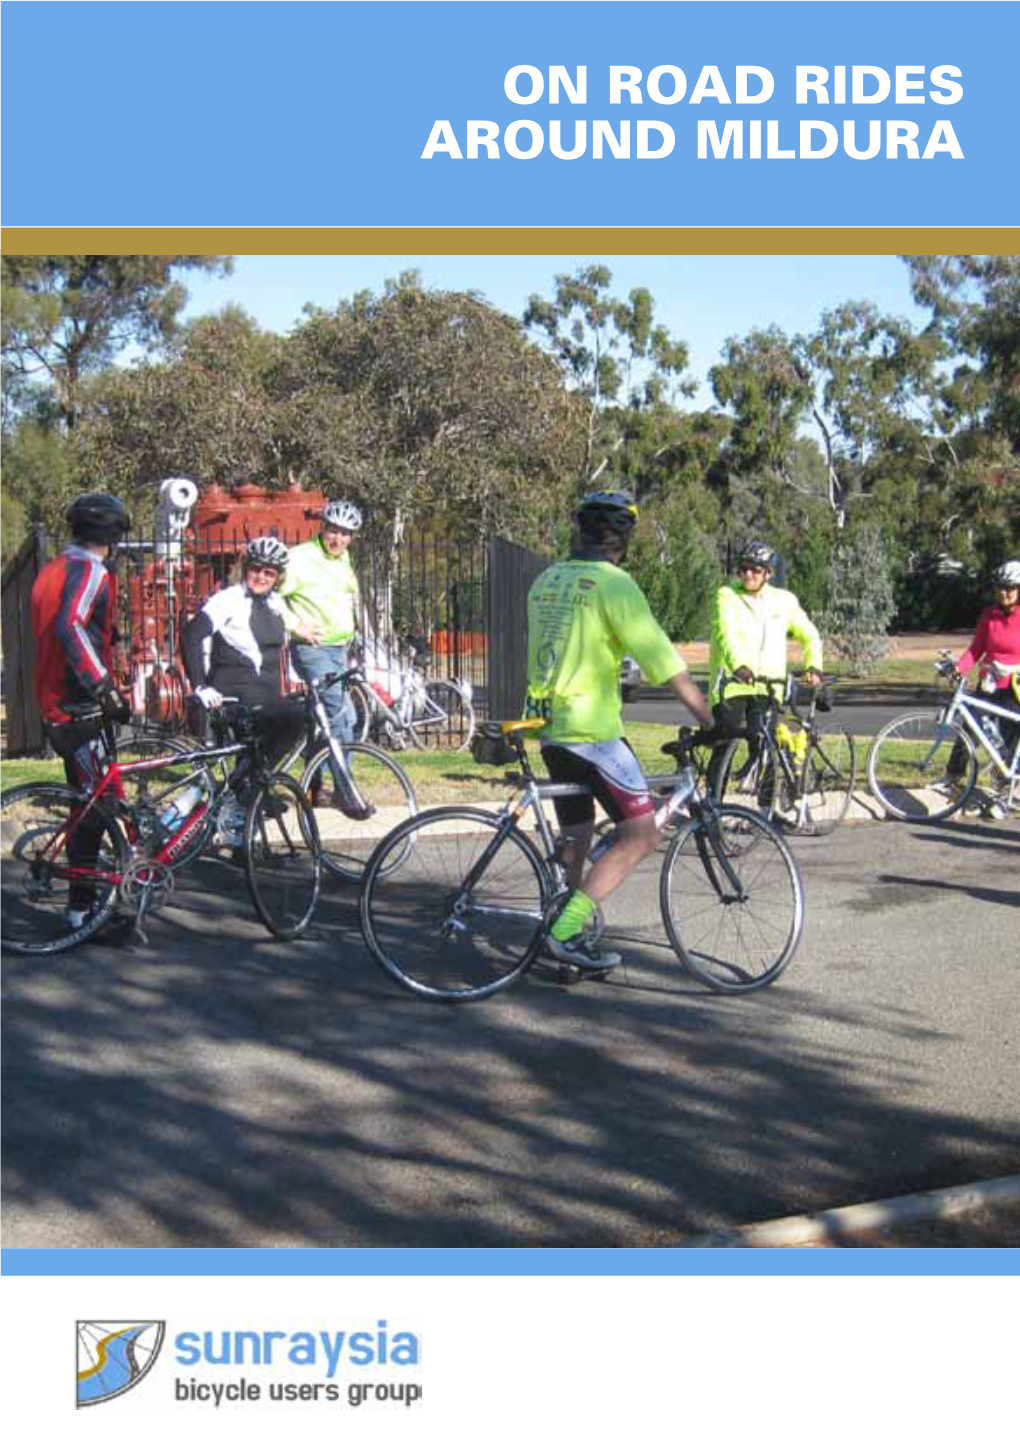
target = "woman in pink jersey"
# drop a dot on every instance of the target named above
(997, 640)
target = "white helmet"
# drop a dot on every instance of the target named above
(269, 551)
(1008, 576)
(341, 514)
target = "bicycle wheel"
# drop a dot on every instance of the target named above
(37, 877)
(439, 937)
(829, 785)
(734, 916)
(363, 712)
(750, 777)
(282, 856)
(444, 719)
(347, 843)
(908, 767)
(150, 793)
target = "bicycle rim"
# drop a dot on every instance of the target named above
(908, 768)
(381, 782)
(445, 720)
(362, 712)
(829, 785)
(733, 916)
(437, 938)
(282, 857)
(36, 882)
(749, 780)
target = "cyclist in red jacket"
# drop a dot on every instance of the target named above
(74, 605)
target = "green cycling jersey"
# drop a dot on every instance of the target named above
(584, 616)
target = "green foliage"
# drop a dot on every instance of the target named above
(610, 352)
(40, 478)
(676, 566)
(64, 317)
(861, 604)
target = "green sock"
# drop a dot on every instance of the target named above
(573, 916)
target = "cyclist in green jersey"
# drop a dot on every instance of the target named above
(584, 615)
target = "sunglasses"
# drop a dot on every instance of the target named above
(266, 571)
(750, 568)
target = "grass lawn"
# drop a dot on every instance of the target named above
(438, 778)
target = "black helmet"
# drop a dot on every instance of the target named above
(611, 511)
(760, 555)
(98, 517)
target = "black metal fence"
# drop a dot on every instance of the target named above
(466, 596)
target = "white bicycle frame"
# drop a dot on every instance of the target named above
(966, 707)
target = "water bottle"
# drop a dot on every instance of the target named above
(175, 814)
(992, 732)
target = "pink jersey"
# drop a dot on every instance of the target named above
(996, 639)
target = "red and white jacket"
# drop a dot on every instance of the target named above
(74, 608)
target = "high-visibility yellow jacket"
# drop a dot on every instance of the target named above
(749, 630)
(319, 590)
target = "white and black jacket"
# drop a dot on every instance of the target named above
(237, 644)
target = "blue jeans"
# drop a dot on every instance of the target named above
(312, 662)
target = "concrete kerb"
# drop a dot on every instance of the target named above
(832, 1227)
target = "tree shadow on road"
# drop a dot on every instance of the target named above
(217, 1088)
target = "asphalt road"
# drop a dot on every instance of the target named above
(217, 1089)
(862, 711)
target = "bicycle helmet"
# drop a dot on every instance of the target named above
(1008, 576)
(98, 517)
(759, 555)
(611, 511)
(268, 551)
(342, 514)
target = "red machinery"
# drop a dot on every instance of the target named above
(197, 546)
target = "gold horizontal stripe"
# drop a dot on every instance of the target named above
(511, 240)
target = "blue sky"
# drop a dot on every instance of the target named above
(701, 299)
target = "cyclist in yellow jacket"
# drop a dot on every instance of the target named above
(751, 623)
(321, 602)
(584, 614)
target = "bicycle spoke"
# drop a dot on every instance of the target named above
(432, 931)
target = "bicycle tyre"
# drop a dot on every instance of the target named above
(282, 863)
(407, 912)
(363, 712)
(34, 897)
(830, 780)
(909, 762)
(453, 730)
(750, 783)
(347, 843)
(734, 945)
(152, 792)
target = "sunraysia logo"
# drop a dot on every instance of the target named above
(114, 1356)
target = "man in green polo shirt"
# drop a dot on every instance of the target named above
(584, 615)
(321, 603)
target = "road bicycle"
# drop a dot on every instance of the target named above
(926, 764)
(456, 903)
(151, 813)
(427, 713)
(791, 769)
(373, 779)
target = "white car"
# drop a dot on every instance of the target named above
(630, 678)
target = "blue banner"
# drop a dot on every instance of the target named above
(509, 114)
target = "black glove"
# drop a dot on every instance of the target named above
(114, 705)
(743, 674)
